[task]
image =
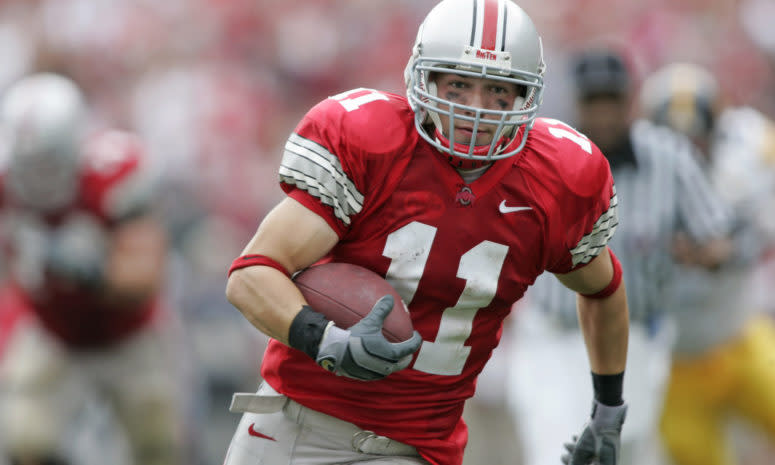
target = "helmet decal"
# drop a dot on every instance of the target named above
(486, 24)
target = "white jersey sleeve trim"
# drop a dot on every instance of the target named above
(591, 244)
(310, 167)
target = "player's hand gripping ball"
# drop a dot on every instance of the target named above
(346, 293)
(372, 334)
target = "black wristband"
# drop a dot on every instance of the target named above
(608, 388)
(307, 330)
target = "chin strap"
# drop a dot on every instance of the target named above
(467, 163)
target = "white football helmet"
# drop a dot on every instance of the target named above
(495, 39)
(682, 96)
(41, 118)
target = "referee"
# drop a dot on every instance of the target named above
(661, 191)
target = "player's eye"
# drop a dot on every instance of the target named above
(499, 90)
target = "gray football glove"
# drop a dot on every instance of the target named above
(362, 352)
(599, 441)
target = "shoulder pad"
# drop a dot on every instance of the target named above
(116, 180)
(364, 120)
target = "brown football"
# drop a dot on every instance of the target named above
(345, 293)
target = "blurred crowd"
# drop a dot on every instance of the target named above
(214, 88)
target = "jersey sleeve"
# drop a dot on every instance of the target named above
(336, 156)
(317, 172)
(586, 217)
(117, 183)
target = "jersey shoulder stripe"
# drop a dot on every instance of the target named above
(345, 149)
(592, 244)
(312, 168)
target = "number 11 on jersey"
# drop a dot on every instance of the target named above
(409, 248)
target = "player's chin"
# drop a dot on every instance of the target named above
(484, 140)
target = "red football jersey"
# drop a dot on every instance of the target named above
(11, 313)
(112, 187)
(459, 254)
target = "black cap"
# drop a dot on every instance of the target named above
(600, 72)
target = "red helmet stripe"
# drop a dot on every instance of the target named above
(490, 26)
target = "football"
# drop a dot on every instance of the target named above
(345, 293)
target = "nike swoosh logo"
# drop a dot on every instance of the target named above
(255, 433)
(504, 209)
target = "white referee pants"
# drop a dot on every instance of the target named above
(276, 430)
(550, 388)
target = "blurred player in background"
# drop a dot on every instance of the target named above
(662, 190)
(724, 356)
(460, 197)
(85, 262)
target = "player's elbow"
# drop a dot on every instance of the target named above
(237, 288)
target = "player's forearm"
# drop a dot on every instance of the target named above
(267, 298)
(605, 324)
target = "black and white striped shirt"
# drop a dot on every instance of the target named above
(663, 193)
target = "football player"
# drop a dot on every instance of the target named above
(722, 360)
(460, 197)
(85, 258)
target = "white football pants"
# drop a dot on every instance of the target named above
(276, 430)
